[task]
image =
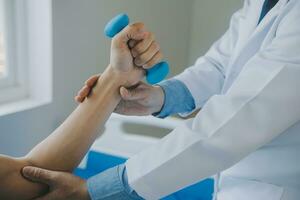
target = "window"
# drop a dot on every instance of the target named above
(25, 54)
(12, 73)
(2, 53)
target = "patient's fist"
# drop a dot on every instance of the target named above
(120, 55)
(133, 50)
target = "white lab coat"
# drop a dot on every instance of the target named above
(248, 130)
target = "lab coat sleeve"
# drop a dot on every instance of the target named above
(262, 103)
(206, 77)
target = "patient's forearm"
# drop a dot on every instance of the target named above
(66, 146)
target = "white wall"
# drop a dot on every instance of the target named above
(1, 15)
(80, 50)
(210, 20)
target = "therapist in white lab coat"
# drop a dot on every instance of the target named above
(247, 134)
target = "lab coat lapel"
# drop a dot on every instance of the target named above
(267, 21)
(254, 41)
(269, 18)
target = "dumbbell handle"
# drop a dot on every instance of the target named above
(153, 75)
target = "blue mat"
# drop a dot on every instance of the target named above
(98, 162)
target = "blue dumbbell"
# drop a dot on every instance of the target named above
(154, 75)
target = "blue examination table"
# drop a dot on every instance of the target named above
(98, 162)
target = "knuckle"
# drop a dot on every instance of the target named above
(81, 92)
(143, 58)
(160, 55)
(37, 173)
(149, 64)
(139, 48)
(140, 25)
(137, 26)
(131, 26)
(137, 61)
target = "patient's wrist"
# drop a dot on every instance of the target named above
(107, 87)
(126, 78)
(112, 79)
(115, 76)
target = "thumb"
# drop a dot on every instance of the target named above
(132, 94)
(133, 32)
(36, 174)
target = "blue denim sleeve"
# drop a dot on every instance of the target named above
(111, 184)
(178, 98)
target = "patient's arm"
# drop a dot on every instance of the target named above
(66, 146)
(72, 139)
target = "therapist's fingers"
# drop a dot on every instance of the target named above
(92, 80)
(145, 57)
(78, 99)
(86, 90)
(132, 94)
(131, 108)
(82, 94)
(39, 175)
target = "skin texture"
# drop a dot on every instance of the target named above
(62, 185)
(140, 100)
(11, 180)
(65, 147)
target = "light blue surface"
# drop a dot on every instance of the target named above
(99, 162)
(112, 184)
(154, 75)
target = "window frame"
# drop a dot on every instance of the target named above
(27, 81)
(13, 83)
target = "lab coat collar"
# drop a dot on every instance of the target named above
(259, 32)
(270, 15)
